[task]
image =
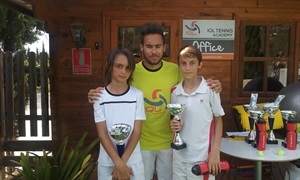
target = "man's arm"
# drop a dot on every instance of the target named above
(215, 85)
(94, 94)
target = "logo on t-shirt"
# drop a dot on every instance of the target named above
(155, 104)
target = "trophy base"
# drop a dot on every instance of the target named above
(269, 141)
(249, 141)
(284, 144)
(253, 144)
(178, 147)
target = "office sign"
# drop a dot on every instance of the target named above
(214, 38)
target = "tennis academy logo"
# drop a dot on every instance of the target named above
(192, 29)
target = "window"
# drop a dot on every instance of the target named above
(264, 56)
(125, 31)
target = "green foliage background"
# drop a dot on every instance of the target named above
(17, 29)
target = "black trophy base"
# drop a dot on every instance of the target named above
(269, 141)
(284, 144)
(249, 141)
(178, 147)
(254, 144)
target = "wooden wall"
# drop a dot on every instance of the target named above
(70, 109)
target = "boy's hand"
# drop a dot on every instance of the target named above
(121, 172)
(176, 125)
(214, 163)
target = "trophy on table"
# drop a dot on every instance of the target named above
(290, 125)
(119, 132)
(271, 109)
(251, 107)
(176, 110)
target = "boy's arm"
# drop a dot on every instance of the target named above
(133, 140)
(121, 169)
(137, 128)
(214, 155)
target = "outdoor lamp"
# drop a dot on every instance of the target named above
(77, 31)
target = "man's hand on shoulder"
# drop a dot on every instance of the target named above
(94, 94)
(215, 85)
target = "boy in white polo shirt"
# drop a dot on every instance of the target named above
(200, 123)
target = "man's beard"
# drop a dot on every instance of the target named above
(153, 63)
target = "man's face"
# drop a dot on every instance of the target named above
(153, 49)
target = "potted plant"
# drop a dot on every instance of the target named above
(75, 164)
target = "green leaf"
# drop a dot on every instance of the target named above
(64, 165)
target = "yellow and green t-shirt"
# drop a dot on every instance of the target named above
(156, 86)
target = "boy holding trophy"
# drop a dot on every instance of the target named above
(200, 123)
(119, 113)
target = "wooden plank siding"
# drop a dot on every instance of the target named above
(72, 114)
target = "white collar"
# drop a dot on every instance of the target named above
(202, 88)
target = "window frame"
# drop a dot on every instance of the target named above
(266, 59)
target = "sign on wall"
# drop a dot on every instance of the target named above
(81, 61)
(214, 38)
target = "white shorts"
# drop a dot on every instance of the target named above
(161, 160)
(104, 172)
(183, 171)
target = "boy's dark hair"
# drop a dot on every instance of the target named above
(111, 59)
(152, 28)
(190, 51)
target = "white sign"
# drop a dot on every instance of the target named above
(214, 38)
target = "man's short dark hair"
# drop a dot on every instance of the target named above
(152, 28)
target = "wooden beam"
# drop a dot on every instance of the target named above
(27, 145)
(23, 8)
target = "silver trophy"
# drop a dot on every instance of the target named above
(251, 136)
(271, 109)
(119, 132)
(288, 115)
(176, 110)
(251, 107)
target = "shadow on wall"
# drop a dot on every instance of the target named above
(256, 84)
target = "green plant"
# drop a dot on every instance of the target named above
(75, 164)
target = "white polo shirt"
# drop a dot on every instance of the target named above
(201, 107)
